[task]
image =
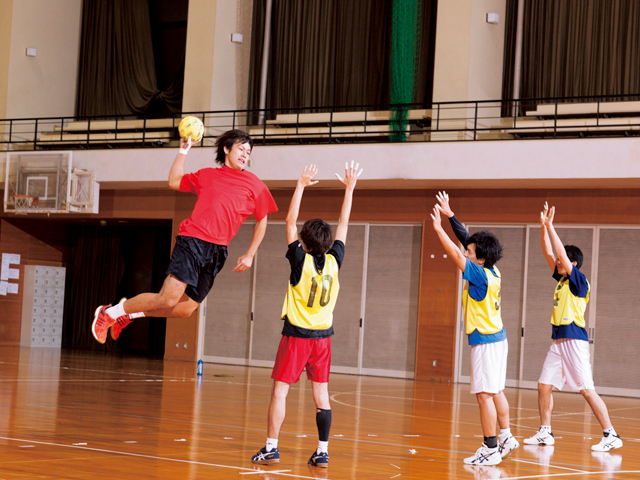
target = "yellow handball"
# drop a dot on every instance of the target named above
(191, 127)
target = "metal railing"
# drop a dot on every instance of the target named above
(558, 117)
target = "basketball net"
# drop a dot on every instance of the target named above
(22, 203)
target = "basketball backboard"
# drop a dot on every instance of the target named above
(52, 180)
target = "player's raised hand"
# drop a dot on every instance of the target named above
(351, 174)
(443, 199)
(437, 218)
(308, 173)
(549, 220)
(543, 214)
(185, 145)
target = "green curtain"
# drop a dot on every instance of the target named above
(405, 41)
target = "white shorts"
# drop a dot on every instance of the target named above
(568, 361)
(489, 367)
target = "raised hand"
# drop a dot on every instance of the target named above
(549, 218)
(351, 174)
(443, 198)
(185, 145)
(308, 173)
(437, 219)
(543, 214)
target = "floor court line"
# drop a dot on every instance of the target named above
(547, 475)
(153, 457)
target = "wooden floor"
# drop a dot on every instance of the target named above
(78, 415)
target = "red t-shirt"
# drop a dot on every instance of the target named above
(226, 197)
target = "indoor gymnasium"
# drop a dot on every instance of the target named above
(334, 239)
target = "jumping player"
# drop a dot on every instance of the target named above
(308, 316)
(487, 336)
(568, 360)
(226, 197)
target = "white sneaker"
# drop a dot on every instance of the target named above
(485, 456)
(608, 442)
(541, 438)
(508, 445)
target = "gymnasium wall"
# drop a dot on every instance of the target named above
(435, 336)
(45, 85)
(217, 70)
(6, 10)
(469, 51)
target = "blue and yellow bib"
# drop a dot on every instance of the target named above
(484, 315)
(567, 308)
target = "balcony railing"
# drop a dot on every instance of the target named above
(562, 117)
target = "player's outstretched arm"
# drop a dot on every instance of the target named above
(451, 248)
(351, 175)
(557, 243)
(461, 233)
(177, 169)
(545, 241)
(305, 180)
(245, 261)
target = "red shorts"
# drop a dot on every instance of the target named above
(294, 354)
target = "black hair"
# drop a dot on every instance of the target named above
(574, 254)
(317, 236)
(229, 139)
(487, 247)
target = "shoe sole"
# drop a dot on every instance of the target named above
(319, 465)
(122, 300)
(93, 325)
(266, 462)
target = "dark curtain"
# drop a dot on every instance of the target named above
(106, 264)
(95, 269)
(332, 53)
(508, 67)
(116, 74)
(577, 48)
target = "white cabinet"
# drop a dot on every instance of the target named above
(42, 304)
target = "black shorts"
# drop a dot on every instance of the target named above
(196, 263)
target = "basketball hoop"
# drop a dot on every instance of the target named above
(23, 203)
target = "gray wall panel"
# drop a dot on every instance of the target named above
(393, 279)
(616, 360)
(346, 316)
(229, 304)
(271, 287)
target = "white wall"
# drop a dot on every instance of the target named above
(230, 79)
(469, 51)
(217, 70)
(45, 85)
(579, 163)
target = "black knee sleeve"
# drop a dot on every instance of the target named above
(323, 420)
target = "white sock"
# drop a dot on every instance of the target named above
(609, 430)
(505, 433)
(545, 428)
(271, 444)
(136, 315)
(323, 447)
(116, 311)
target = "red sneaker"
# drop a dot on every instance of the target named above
(121, 322)
(101, 323)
